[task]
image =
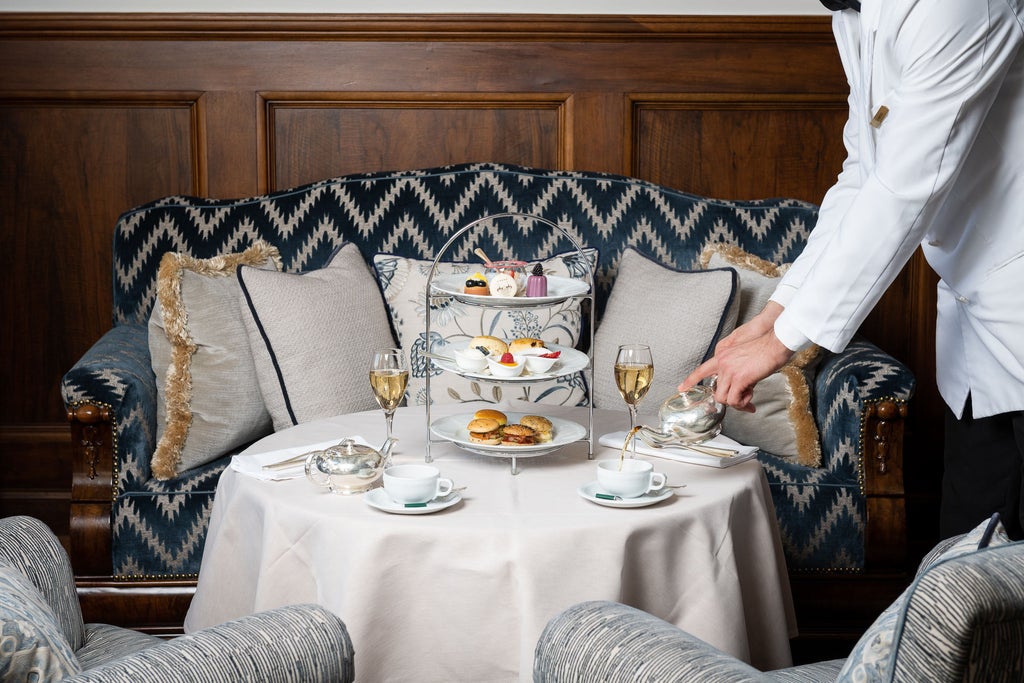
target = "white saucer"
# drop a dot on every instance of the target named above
(378, 498)
(590, 491)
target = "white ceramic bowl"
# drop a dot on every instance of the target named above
(470, 360)
(538, 365)
(501, 370)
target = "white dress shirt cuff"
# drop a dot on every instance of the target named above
(792, 338)
(783, 294)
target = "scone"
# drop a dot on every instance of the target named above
(494, 346)
(528, 346)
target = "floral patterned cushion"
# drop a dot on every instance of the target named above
(453, 324)
(32, 645)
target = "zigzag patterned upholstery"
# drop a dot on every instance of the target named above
(294, 644)
(159, 527)
(961, 620)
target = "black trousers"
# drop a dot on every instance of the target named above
(984, 472)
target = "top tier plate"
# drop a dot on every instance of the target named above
(559, 289)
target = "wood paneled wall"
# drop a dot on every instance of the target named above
(99, 113)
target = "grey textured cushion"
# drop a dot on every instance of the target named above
(313, 335)
(872, 658)
(784, 423)
(208, 399)
(404, 282)
(32, 645)
(31, 547)
(681, 315)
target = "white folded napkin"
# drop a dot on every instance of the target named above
(251, 464)
(683, 454)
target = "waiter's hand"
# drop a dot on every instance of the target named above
(745, 357)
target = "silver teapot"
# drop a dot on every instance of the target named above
(688, 418)
(348, 467)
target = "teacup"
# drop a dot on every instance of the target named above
(634, 479)
(415, 483)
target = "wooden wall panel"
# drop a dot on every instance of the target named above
(311, 136)
(102, 112)
(738, 147)
(73, 163)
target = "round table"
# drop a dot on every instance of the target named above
(464, 593)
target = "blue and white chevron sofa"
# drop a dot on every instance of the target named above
(43, 637)
(128, 524)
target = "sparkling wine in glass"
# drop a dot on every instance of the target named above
(634, 372)
(389, 373)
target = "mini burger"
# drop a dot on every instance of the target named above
(496, 415)
(518, 435)
(540, 425)
(484, 430)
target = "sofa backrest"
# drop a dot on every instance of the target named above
(414, 213)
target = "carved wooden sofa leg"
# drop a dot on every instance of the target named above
(92, 487)
(886, 534)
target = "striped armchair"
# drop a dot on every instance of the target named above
(44, 638)
(961, 619)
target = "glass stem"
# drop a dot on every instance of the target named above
(389, 418)
(632, 426)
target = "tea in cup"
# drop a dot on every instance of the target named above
(633, 479)
(415, 483)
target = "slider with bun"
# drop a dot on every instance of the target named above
(492, 414)
(484, 430)
(518, 435)
(541, 427)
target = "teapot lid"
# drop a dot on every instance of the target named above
(349, 446)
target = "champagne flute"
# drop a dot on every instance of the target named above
(389, 373)
(634, 372)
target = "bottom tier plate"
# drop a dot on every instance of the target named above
(453, 428)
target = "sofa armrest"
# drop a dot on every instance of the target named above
(609, 642)
(300, 643)
(861, 400)
(110, 397)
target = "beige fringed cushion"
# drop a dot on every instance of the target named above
(783, 424)
(208, 398)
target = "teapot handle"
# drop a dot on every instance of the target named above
(313, 471)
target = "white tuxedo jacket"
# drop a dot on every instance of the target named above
(935, 158)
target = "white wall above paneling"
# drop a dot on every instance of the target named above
(678, 7)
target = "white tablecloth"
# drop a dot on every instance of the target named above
(463, 594)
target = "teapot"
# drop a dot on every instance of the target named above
(348, 467)
(687, 418)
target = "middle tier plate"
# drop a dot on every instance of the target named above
(569, 362)
(453, 428)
